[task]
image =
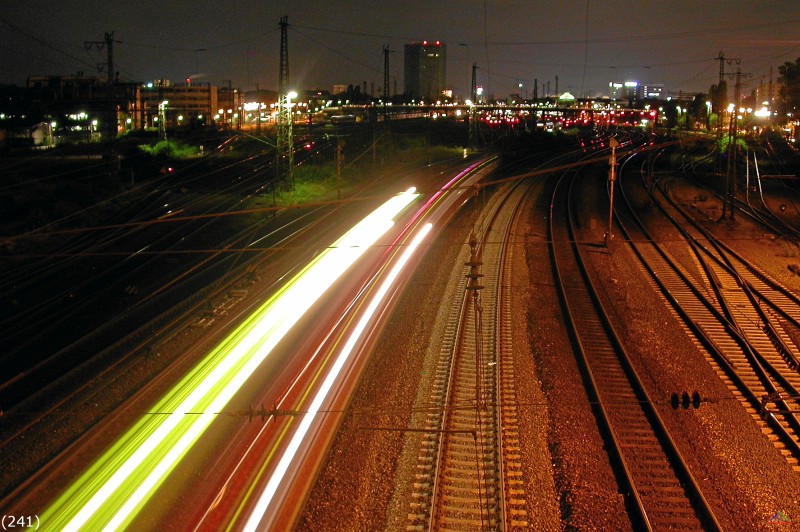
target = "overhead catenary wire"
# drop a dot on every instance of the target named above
(485, 42)
(599, 159)
(542, 42)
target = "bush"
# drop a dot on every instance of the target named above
(315, 173)
(171, 148)
(724, 142)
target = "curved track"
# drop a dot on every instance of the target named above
(659, 487)
(467, 465)
(740, 318)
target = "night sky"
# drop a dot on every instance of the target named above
(585, 43)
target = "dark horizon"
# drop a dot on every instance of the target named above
(585, 44)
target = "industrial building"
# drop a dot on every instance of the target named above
(425, 70)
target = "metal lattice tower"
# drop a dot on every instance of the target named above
(283, 74)
(473, 115)
(733, 145)
(112, 114)
(474, 86)
(108, 45)
(386, 73)
(284, 154)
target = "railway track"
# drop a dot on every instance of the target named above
(54, 325)
(737, 316)
(660, 490)
(70, 398)
(64, 400)
(468, 462)
(87, 385)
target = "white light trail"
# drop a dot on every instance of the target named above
(110, 493)
(288, 456)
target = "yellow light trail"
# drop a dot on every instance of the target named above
(111, 492)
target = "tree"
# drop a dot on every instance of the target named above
(697, 112)
(671, 112)
(789, 79)
(718, 96)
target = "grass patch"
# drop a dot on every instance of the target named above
(317, 182)
(724, 142)
(307, 191)
(174, 149)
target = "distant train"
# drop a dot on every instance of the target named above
(343, 119)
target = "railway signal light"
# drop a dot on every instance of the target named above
(685, 400)
(474, 264)
(612, 162)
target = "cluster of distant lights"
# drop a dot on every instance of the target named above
(83, 119)
(253, 109)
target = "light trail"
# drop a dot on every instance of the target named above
(267, 495)
(112, 491)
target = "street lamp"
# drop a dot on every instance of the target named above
(291, 95)
(284, 154)
(472, 124)
(162, 119)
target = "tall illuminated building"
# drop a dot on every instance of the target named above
(425, 70)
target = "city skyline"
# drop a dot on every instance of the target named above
(586, 44)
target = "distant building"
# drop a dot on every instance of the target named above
(623, 91)
(187, 104)
(82, 108)
(653, 91)
(633, 91)
(425, 70)
(78, 105)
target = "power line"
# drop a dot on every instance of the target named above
(635, 38)
(585, 47)
(45, 43)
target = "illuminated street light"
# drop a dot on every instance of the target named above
(162, 119)
(284, 154)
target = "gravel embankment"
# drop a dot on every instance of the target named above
(569, 481)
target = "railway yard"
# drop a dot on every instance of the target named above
(679, 434)
(543, 370)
